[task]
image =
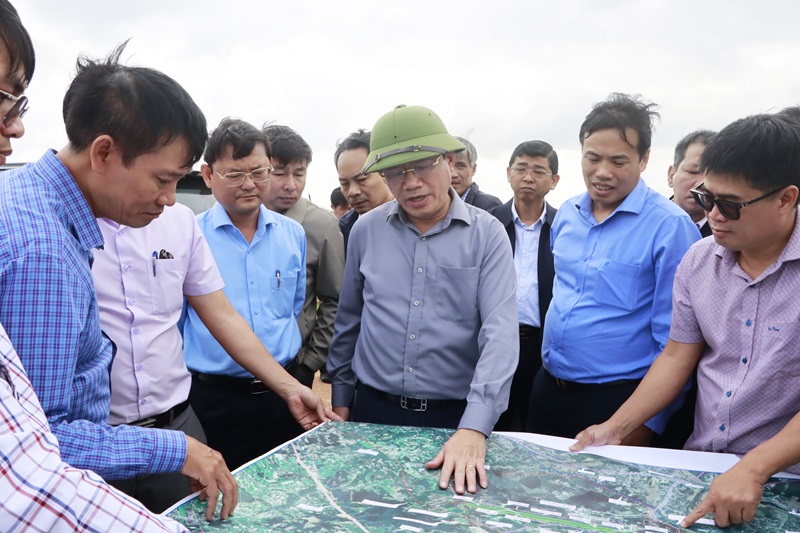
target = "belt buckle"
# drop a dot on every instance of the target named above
(254, 387)
(417, 404)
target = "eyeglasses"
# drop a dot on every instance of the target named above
(521, 172)
(18, 108)
(729, 210)
(422, 171)
(234, 179)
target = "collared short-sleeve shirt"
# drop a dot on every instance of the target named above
(747, 377)
(141, 300)
(49, 308)
(41, 492)
(429, 315)
(612, 292)
(265, 280)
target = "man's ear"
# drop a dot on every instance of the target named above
(104, 154)
(205, 171)
(671, 175)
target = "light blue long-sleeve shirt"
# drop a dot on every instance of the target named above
(612, 293)
(431, 316)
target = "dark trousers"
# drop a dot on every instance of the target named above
(239, 425)
(157, 492)
(566, 412)
(371, 405)
(530, 361)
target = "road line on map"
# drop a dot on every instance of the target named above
(325, 491)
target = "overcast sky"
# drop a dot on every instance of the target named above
(497, 72)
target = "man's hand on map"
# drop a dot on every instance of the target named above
(462, 457)
(208, 473)
(598, 435)
(733, 497)
(307, 408)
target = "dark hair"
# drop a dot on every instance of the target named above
(699, 136)
(763, 149)
(18, 46)
(621, 111)
(142, 109)
(472, 153)
(241, 136)
(357, 139)
(286, 145)
(792, 112)
(536, 149)
(337, 198)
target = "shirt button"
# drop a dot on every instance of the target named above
(416, 302)
(131, 301)
(412, 336)
(120, 232)
(563, 318)
(577, 289)
(126, 268)
(744, 360)
(523, 276)
(422, 238)
(142, 402)
(410, 369)
(419, 270)
(722, 427)
(135, 331)
(251, 282)
(138, 368)
(748, 323)
(255, 312)
(728, 394)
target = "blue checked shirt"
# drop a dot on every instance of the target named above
(48, 306)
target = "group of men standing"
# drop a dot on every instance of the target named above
(451, 309)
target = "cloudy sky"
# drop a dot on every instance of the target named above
(498, 72)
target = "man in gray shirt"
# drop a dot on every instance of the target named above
(426, 330)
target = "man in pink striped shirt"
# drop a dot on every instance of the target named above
(735, 316)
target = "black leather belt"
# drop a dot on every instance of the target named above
(245, 385)
(526, 331)
(162, 420)
(574, 385)
(411, 403)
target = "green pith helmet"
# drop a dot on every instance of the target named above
(407, 134)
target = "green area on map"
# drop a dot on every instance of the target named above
(365, 477)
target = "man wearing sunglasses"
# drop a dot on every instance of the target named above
(736, 317)
(261, 257)
(426, 331)
(615, 251)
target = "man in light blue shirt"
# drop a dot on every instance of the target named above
(616, 248)
(261, 256)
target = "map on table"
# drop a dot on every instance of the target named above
(367, 477)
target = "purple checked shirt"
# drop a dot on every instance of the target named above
(748, 374)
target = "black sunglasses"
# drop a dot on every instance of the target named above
(728, 209)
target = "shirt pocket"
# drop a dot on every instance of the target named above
(457, 293)
(166, 286)
(782, 337)
(618, 284)
(282, 289)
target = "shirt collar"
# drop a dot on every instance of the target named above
(219, 217)
(72, 207)
(633, 203)
(516, 219)
(790, 252)
(464, 196)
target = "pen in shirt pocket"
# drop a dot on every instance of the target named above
(155, 256)
(278, 278)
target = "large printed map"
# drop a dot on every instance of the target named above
(363, 477)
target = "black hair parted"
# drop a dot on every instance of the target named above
(286, 145)
(762, 149)
(536, 149)
(142, 109)
(241, 136)
(621, 111)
